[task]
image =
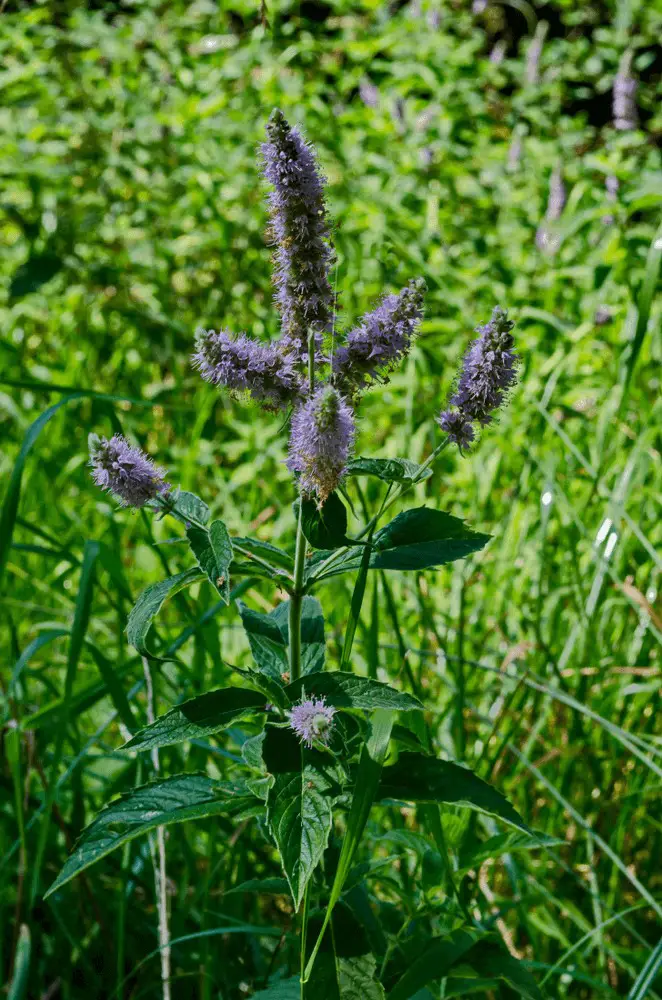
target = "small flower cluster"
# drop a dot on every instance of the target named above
(124, 471)
(320, 442)
(381, 340)
(245, 365)
(303, 248)
(488, 372)
(546, 238)
(312, 721)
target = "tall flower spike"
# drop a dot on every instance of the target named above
(126, 472)
(488, 372)
(321, 439)
(300, 227)
(546, 237)
(381, 341)
(245, 365)
(624, 96)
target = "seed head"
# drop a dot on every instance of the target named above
(126, 472)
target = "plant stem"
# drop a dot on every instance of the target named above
(296, 599)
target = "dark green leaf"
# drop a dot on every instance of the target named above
(159, 803)
(19, 983)
(198, 717)
(268, 637)
(344, 690)
(356, 977)
(417, 778)
(505, 843)
(424, 537)
(439, 955)
(189, 507)
(149, 604)
(325, 528)
(285, 989)
(491, 960)
(35, 272)
(273, 886)
(270, 553)
(390, 470)
(213, 550)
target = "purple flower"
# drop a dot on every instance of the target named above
(320, 442)
(534, 53)
(303, 249)
(489, 370)
(624, 96)
(126, 472)
(245, 365)
(369, 93)
(381, 340)
(458, 427)
(546, 238)
(312, 721)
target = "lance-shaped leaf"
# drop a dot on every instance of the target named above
(389, 470)
(202, 716)
(149, 604)
(345, 690)
(417, 778)
(213, 550)
(490, 960)
(424, 537)
(505, 843)
(325, 528)
(356, 977)
(268, 636)
(437, 958)
(189, 507)
(298, 806)
(159, 803)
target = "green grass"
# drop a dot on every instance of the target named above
(132, 212)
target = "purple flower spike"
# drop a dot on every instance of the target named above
(126, 472)
(312, 721)
(245, 365)
(625, 96)
(381, 341)
(301, 232)
(320, 442)
(458, 427)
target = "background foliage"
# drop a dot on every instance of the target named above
(131, 212)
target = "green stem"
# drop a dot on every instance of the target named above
(296, 599)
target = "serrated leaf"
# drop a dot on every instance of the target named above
(286, 989)
(491, 960)
(148, 605)
(265, 550)
(268, 635)
(213, 550)
(417, 778)
(299, 804)
(159, 803)
(356, 977)
(202, 716)
(189, 507)
(389, 470)
(345, 690)
(505, 843)
(423, 537)
(438, 957)
(252, 752)
(325, 528)
(268, 886)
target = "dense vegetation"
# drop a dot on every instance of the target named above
(132, 212)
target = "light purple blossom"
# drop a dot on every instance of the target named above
(381, 340)
(546, 237)
(245, 365)
(534, 53)
(124, 471)
(321, 439)
(301, 233)
(369, 93)
(489, 370)
(312, 721)
(624, 96)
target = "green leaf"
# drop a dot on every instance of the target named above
(389, 470)
(438, 956)
(198, 717)
(285, 989)
(28, 277)
(188, 506)
(424, 537)
(19, 984)
(505, 843)
(268, 886)
(149, 604)
(325, 528)
(268, 636)
(159, 803)
(356, 977)
(213, 550)
(356, 605)
(489, 959)
(417, 778)
(298, 806)
(345, 690)
(270, 553)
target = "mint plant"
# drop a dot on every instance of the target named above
(324, 743)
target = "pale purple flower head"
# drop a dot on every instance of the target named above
(321, 439)
(369, 93)
(534, 53)
(381, 340)
(126, 472)
(301, 232)
(245, 365)
(488, 372)
(312, 721)
(624, 96)
(546, 237)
